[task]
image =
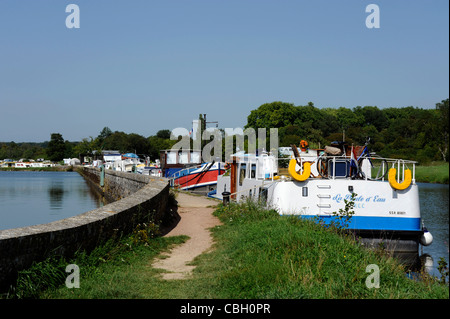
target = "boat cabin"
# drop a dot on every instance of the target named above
(173, 160)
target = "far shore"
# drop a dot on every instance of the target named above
(436, 172)
(58, 168)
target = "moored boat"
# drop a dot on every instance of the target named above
(317, 183)
(200, 179)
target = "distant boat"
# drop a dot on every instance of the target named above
(186, 170)
(200, 179)
(172, 161)
(129, 155)
(149, 170)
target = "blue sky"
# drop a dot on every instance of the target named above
(141, 66)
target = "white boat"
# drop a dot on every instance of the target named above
(129, 162)
(316, 185)
(149, 170)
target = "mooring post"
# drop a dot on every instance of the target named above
(226, 198)
(102, 175)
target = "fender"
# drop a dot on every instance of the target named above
(299, 177)
(393, 182)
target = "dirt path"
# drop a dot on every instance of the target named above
(196, 219)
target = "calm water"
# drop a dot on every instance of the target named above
(435, 211)
(31, 198)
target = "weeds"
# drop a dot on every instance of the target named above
(50, 273)
(341, 220)
(40, 276)
(443, 270)
(344, 216)
(144, 232)
(249, 211)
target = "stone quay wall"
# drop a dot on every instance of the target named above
(135, 199)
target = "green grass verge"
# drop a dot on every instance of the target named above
(257, 254)
(435, 173)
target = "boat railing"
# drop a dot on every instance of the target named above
(178, 174)
(368, 167)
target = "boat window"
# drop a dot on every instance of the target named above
(253, 171)
(183, 157)
(242, 173)
(171, 158)
(195, 157)
(305, 191)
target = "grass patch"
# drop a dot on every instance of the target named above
(288, 257)
(436, 172)
(112, 270)
(257, 254)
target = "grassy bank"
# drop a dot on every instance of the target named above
(257, 254)
(437, 172)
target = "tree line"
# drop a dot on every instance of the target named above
(56, 149)
(408, 132)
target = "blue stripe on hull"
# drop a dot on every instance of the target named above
(375, 223)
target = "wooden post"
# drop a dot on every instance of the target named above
(233, 174)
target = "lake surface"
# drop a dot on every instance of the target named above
(434, 208)
(31, 197)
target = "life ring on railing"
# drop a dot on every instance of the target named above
(299, 177)
(393, 181)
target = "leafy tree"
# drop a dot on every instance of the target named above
(117, 141)
(347, 119)
(137, 144)
(156, 144)
(443, 124)
(372, 115)
(272, 115)
(165, 134)
(407, 132)
(85, 147)
(56, 147)
(105, 132)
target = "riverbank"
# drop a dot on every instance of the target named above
(58, 168)
(256, 254)
(436, 172)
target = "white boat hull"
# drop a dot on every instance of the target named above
(377, 205)
(381, 213)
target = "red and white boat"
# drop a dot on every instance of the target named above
(199, 179)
